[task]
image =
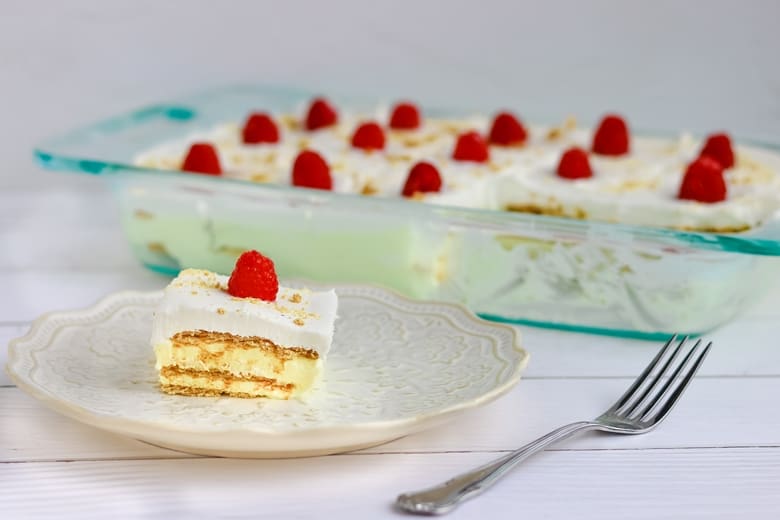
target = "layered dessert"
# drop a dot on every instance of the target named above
(540, 271)
(243, 335)
(497, 163)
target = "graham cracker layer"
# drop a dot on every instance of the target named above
(268, 386)
(734, 229)
(558, 211)
(203, 392)
(228, 377)
(196, 338)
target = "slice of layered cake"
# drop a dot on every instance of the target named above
(242, 336)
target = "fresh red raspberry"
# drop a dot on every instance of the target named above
(611, 136)
(321, 114)
(718, 147)
(405, 116)
(471, 147)
(260, 128)
(311, 171)
(507, 130)
(574, 164)
(202, 158)
(423, 178)
(703, 181)
(254, 276)
(369, 136)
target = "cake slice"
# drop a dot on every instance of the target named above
(242, 336)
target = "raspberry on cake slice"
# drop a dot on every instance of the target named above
(243, 335)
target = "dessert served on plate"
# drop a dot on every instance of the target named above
(497, 163)
(242, 336)
(397, 366)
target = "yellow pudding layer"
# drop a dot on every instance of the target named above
(218, 363)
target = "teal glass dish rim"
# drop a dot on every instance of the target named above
(66, 152)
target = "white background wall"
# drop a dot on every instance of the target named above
(667, 64)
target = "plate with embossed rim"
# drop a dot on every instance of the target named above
(397, 366)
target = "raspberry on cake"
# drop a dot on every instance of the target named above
(507, 130)
(311, 171)
(405, 116)
(423, 178)
(718, 147)
(321, 114)
(611, 137)
(242, 336)
(703, 181)
(260, 128)
(574, 164)
(470, 146)
(202, 158)
(369, 136)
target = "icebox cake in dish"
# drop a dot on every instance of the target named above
(592, 226)
(495, 163)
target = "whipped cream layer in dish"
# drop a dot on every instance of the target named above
(641, 186)
(208, 342)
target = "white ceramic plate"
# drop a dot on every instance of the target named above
(396, 367)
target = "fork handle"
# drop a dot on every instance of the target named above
(447, 496)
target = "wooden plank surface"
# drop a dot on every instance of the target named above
(642, 484)
(716, 412)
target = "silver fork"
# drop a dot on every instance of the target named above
(640, 409)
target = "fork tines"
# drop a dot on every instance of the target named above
(645, 400)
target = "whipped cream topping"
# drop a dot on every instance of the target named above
(198, 300)
(639, 188)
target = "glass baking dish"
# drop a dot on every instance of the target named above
(520, 268)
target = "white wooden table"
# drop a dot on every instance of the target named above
(718, 455)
